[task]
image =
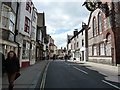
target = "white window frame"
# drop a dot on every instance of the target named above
(102, 49)
(95, 50)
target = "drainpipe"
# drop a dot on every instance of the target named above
(114, 62)
(16, 32)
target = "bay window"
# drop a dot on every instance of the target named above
(5, 16)
(8, 18)
(5, 22)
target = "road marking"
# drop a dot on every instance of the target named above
(111, 84)
(42, 86)
(71, 64)
(80, 70)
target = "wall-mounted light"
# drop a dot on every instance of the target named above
(105, 41)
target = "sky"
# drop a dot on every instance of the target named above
(62, 17)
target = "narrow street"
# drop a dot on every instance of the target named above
(55, 44)
(62, 74)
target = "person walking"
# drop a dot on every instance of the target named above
(12, 67)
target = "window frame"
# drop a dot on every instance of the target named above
(82, 43)
(10, 18)
(27, 24)
(28, 6)
(102, 49)
(94, 50)
(77, 44)
(100, 30)
(95, 32)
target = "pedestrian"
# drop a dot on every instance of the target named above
(12, 68)
(54, 57)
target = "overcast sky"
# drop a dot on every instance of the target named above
(62, 17)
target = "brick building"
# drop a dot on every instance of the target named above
(104, 34)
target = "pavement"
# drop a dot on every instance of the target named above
(80, 75)
(30, 77)
(98, 65)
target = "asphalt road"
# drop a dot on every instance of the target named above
(62, 74)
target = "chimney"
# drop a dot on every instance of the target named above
(75, 31)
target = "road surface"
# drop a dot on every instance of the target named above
(62, 74)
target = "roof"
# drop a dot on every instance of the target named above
(69, 36)
(77, 33)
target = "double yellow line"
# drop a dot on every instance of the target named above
(42, 85)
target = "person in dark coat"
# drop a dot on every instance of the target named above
(12, 67)
(54, 57)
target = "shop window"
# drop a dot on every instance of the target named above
(25, 51)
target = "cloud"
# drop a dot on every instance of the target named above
(61, 39)
(66, 15)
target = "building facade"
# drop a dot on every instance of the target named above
(83, 40)
(24, 31)
(103, 42)
(42, 40)
(51, 47)
(33, 37)
(77, 45)
(8, 18)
